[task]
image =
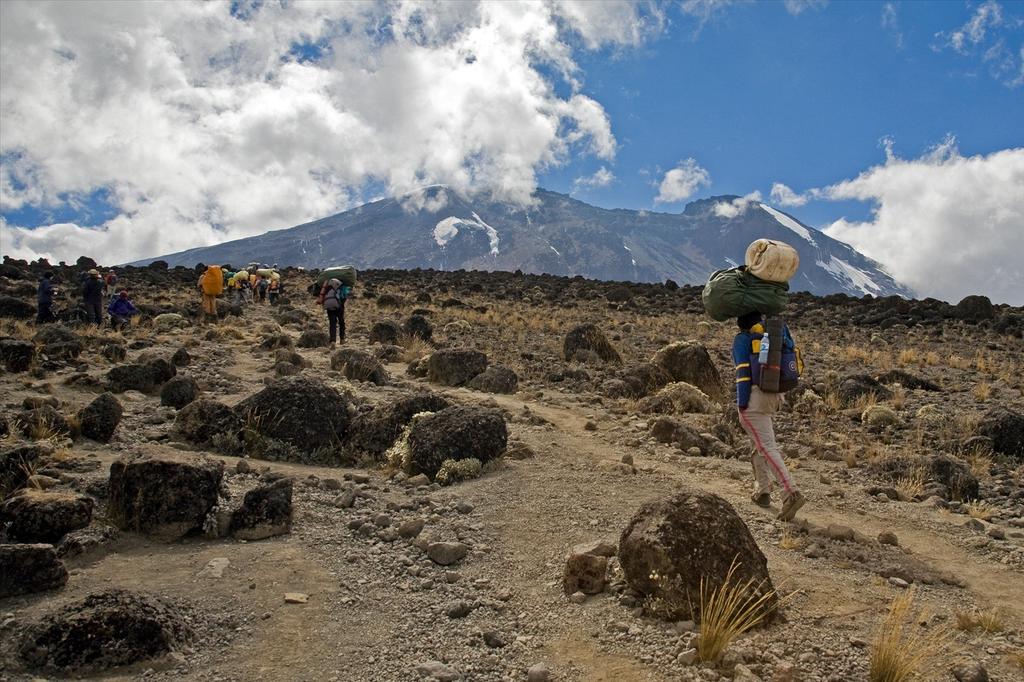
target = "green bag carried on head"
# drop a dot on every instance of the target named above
(345, 273)
(735, 292)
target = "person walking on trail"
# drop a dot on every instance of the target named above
(121, 311)
(211, 284)
(261, 288)
(756, 408)
(44, 299)
(92, 297)
(332, 297)
(110, 282)
(274, 290)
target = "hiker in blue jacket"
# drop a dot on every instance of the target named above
(121, 311)
(755, 408)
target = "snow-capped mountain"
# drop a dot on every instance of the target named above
(436, 228)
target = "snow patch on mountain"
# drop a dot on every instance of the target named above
(447, 229)
(788, 222)
(857, 278)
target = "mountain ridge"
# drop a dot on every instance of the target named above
(436, 228)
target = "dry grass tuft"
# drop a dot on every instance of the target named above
(791, 542)
(981, 463)
(982, 391)
(902, 648)
(910, 486)
(987, 621)
(729, 611)
(979, 509)
(413, 347)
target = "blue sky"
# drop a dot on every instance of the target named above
(130, 130)
(758, 95)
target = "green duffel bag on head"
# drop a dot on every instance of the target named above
(734, 292)
(345, 273)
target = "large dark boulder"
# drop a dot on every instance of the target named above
(460, 432)
(99, 419)
(43, 422)
(853, 388)
(385, 331)
(41, 516)
(974, 309)
(455, 366)
(418, 326)
(313, 338)
(131, 377)
(27, 569)
(179, 391)
(105, 630)
(1006, 429)
(377, 430)
(495, 379)
(636, 381)
(161, 497)
(671, 545)
(689, 361)
(588, 339)
(304, 413)
(202, 419)
(359, 365)
(907, 381)
(266, 511)
(17, 355)
(16, 308)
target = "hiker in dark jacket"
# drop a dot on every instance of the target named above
(92, 297)
(121, 311)
(44, 299)
(332, 297)
(755, 408)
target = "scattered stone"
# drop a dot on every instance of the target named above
(588, 338)
(454, 366)
(214, 568)
(295, 598)
(179, 391)
(887, 537)
(446, 553)
(99, 419)
(584, 572)
(266, 511)
(455, 433)
(970, 671)
(538, 672)
(27, 569)
(689, 362)
(203, 419)
(495, 379)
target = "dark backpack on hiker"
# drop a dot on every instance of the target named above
(781, 370)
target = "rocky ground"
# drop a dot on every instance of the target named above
(237, 500)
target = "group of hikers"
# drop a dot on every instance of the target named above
(254, 284)
(95, 289)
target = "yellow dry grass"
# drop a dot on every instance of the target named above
(902, 648)
(730, 610)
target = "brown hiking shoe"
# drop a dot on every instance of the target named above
(791, 505)
(761, 499)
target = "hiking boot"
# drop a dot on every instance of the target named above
(791, 505)
(761, 499)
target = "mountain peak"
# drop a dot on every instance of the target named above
(435, 227)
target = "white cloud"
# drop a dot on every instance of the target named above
(682, 181)
(204, 126)
(602, 177)
(612, 23)
(988, 15)
(993, 34)
(796, 7)
(738, 206)
(945, 224)
(891, 23)
(783, 196)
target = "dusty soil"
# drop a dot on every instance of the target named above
(380, 610)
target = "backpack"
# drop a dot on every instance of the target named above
(735, 292)
(781, 371)
(111, 280)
